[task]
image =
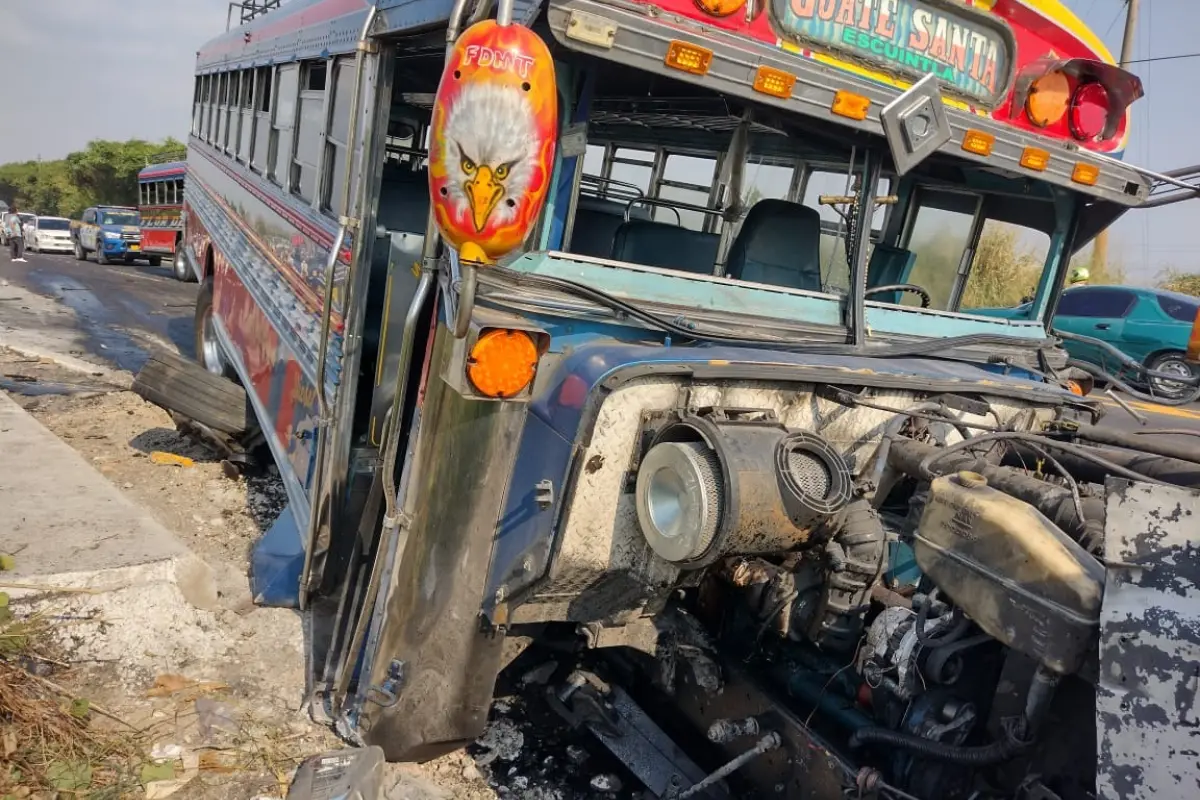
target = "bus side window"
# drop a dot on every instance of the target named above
(310, 129)
(257, 154)
(688, 180)
(283, 123)
(337, 142)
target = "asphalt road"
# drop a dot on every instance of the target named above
(121, 312)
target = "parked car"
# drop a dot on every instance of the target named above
(48, 234)
(111, 232)
(1151, 326)
(25, 220)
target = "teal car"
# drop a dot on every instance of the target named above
(1151, 326)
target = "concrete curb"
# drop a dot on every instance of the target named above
(118, 379)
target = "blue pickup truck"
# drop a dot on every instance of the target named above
(113, 233)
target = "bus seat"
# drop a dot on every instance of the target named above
(889, 265)
(404, 200)
(596, 223)
(658, 244)
(779, 244)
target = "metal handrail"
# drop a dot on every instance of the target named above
(335, 252)
(672, 205)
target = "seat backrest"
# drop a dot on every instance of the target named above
(596, 223)
(404, 200)
(889, 265)
(658, 244)
(779, 244)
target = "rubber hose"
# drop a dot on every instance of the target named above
(986, 755)
(847, 591)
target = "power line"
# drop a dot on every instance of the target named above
(1163, 58)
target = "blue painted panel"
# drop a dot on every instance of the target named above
(700, 292)
(276, 563)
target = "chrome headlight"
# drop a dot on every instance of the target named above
(679, 499)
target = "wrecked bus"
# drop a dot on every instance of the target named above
(649, 328)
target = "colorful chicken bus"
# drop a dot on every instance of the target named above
(160, 201)
(647, 329)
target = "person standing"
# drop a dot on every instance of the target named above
(16, 236)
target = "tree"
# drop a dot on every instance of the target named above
(1176, 280)
(104, 172)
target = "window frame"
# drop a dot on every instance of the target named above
(328, 204)
(296, 166)
(274, 158)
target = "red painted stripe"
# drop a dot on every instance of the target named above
(174, 173)
(276, 23)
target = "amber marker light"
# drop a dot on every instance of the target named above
(1085, 174)
(1048, 100)
(774, 82)
(850, 105)
(1193, 346)
(1034, 159)
(502, 363)
(978, 142)
(688, 57)
(719, 8)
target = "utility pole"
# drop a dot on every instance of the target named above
(1100, 247)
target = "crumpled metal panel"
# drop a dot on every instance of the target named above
(1148, 700)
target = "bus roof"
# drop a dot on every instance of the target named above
(171, 169)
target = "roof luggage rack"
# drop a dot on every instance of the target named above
(249, 10)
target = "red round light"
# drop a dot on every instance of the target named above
(1089, 111)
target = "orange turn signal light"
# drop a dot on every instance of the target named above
(1087, 174)
(719, 8)
(774, 82)
(1075, 388)
(850, 105)
(1035, 159)
(502, 362)
(978, 142)
(688, 57)
(1048, 99)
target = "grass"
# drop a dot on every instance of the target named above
(49, 738)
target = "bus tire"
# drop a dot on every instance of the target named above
(208, 348)
(179, 266)
(156, 261)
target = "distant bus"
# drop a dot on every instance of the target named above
(160, 201)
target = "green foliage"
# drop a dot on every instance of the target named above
(1177, 280)
(104, 172)
(1003, 274)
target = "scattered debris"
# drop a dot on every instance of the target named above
(502, 739)
(606, 782)
(540, 675)
(159, 457)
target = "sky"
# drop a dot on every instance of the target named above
(123, 69)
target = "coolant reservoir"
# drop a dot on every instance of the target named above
(1019, 577)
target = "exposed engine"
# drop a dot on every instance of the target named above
(920, 608)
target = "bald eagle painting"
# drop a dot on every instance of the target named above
(491, 154)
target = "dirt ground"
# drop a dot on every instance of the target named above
(232, 693)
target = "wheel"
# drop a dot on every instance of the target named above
(208, 348)
(100, 257)
(156, 261)
(180, 269)
(1173, 364)
(80, 253)
(128, 259)
(33, 248)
